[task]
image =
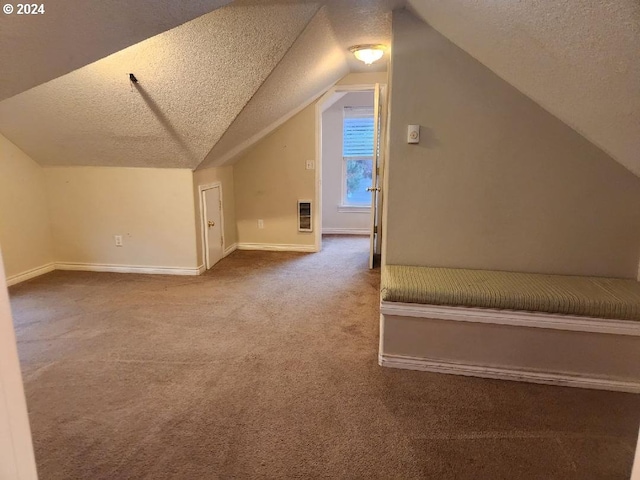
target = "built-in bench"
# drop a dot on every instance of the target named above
(564, 330)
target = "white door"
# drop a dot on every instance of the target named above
(375, 187)
(212, 225)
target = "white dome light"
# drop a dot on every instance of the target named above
(368, 53)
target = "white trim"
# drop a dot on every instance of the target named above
(333, 100)
(339, 88)
(317, 181)
(501, 373)
(512, 317)
(354, 209)
(203, 219)
(98, 267)
(29, 274)
(229, 250)
(345, 231)
(322, 100)
(635, 470)
(277, 247)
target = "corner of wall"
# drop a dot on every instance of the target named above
(270, 178)
(25, 230)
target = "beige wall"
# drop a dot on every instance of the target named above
(332, 187)
(151, 208)
(363, 78)
(496, 181)
(563, 352)
(207, 176)
(25, 230)
(271, 177)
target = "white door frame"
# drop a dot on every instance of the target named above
(635, 472)
(320, 108)
(203, 222)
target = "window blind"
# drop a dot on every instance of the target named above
(357, 132)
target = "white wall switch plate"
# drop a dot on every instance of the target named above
(118, 239)
(310, 164)
(413, 134)
(260, 223)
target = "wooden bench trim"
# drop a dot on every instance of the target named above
(505, 373)
(513, 318)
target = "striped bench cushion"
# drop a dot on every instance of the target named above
(583, 296)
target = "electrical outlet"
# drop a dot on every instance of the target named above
(118, 239)
(310, 164)
(260, 223)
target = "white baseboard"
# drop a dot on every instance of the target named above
(29, 274)
(346, 231)
(96, 267)
(276, 247)
(513, 318)
(230, 249)
(501, 373)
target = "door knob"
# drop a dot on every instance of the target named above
(372, 189)
(211, 224)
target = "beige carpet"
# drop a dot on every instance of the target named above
(266, 367)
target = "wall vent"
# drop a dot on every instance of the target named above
(304, 216)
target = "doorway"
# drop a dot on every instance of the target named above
(351, 130)
(212, 223)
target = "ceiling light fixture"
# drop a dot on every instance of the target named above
(368, 53)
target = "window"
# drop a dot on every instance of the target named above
(357, 156)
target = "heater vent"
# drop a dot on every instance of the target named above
(304, 216)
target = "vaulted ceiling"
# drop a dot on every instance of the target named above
(204, 86)
(73, 33)
(214, 75)
(315, 62)
(578, 59)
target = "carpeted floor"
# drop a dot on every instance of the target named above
(266, 367)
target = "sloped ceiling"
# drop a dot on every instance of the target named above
(193, 81)
(579, 59)
(211, 86)
(315, 62)
(73, 33)
(237, 70)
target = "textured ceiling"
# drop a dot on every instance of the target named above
(214, 84)
(239, 69)
(74, 33)
(315, 62)
(357, 22)
(579, 59)
(194, 80)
